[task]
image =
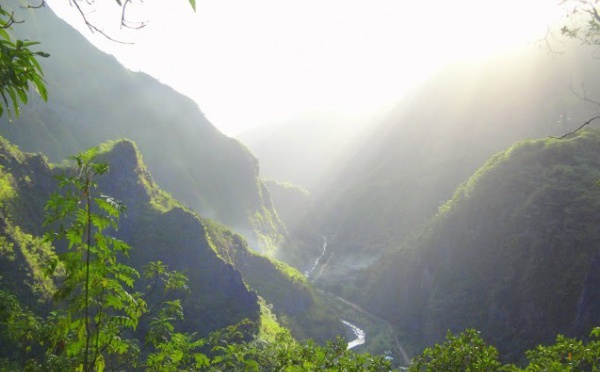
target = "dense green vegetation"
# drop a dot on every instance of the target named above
(156, 221)
(102, 319)
(468, 352)
(513, 254)
(295, 302)
(218, 263)
(153, 220)
(19, 67)
(93, 302)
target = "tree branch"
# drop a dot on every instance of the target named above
(548, 44)
(42, 4)
(11, 19)
(568, 134)
(583, 96)
(594, 13)
(94, 28)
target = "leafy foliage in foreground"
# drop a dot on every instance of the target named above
(18, 67)
(465, 352)
(103, 318)
(100, 320)
(468, 352)
(95, 305)
(567, 354)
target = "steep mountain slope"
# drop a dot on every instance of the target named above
(155, 225)
(173, 228)
(94, 99)
(515, 253)
(165, 231)
(295, 302)
(218, 263)
(435, 140)
(292, 202)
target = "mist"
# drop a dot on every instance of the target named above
(264, 61)
(406, 169)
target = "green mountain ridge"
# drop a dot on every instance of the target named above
(295, 302)
(93, 99)
(513, 254)
(434, 140)
(157, 226)
(224, 275)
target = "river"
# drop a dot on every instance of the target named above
(359, 334)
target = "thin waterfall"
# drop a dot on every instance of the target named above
(309, 272)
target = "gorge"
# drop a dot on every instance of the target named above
(472, 203)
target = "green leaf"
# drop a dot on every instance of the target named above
(193, 4)
(201, 361)
(22, 96)
(27, 43)
(177, 356)
(40, 88)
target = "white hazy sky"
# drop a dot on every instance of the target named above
(254, 62)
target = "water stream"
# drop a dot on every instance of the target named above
(359, 334)
(309, 272)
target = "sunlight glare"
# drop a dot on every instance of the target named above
(251, 63)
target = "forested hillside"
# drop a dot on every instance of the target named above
(470, 212)
(156, 225)
(295, 302)
(217, 262)
(436, 138)
(514, 253)
(92, 99)
(214, 291)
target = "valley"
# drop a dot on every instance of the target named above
(381, 207)
(135, 235)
